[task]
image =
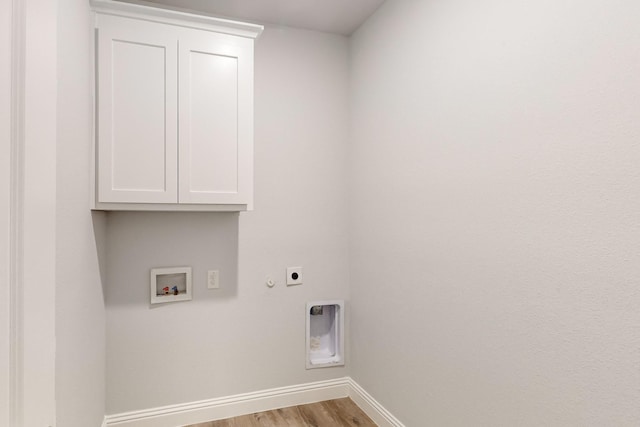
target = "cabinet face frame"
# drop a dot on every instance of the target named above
(176, 22)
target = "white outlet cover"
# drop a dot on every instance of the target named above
(294, 272)
(213, 279)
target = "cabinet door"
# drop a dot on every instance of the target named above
(137, 111)
(215, 118)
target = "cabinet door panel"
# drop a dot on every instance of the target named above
(215, 119)
(213, 159)
(137, 98)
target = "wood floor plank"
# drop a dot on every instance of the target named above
(245, 421)
(331, 413)
(290, 417)
(349, 413)
(331, 407)
(269, 419)
(312, 416)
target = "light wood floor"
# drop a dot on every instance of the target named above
(331, 413)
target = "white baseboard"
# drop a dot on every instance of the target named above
(248, 403)
(371, 407)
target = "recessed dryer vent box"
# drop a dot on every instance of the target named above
(325, 334)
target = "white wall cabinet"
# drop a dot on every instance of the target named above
(174, 110)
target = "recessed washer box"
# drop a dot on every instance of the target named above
(325, 334)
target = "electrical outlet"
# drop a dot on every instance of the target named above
(294, 276)
(213, 279)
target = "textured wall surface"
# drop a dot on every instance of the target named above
(243, 337)
(495, 249)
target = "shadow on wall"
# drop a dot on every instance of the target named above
(130, 244)
(99, 220)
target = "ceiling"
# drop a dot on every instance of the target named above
(332, 16)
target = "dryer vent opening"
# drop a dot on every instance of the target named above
(325, 334)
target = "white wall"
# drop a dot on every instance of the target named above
(28, 88)
(35, 222)
(5, 203)
(243, 337)
(495, 247)
(80, 312)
